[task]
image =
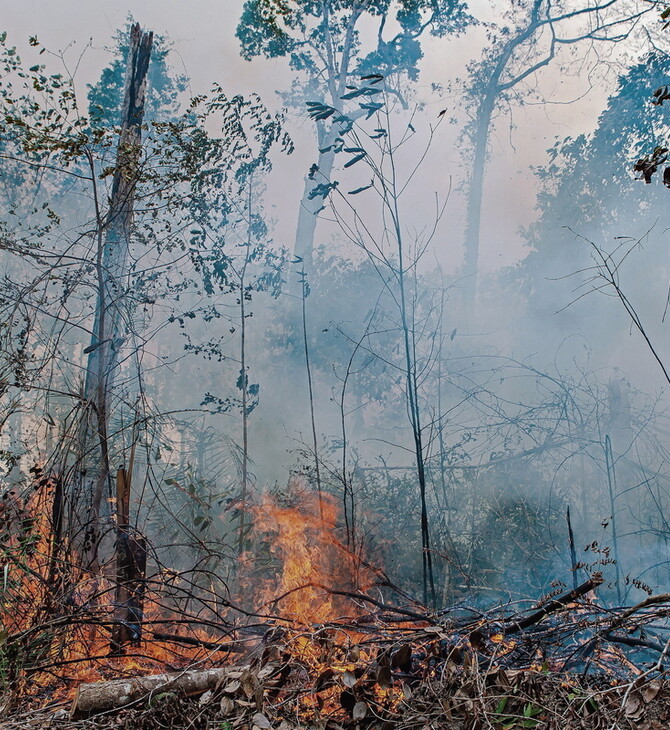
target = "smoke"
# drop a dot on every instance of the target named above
(544, 398)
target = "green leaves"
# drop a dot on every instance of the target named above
(355, 159)
(364, 91)
(319, 111)
(660, 95)
(322, 190)
(511, 721)
(264, 29)
(360, 190)
(371, 108)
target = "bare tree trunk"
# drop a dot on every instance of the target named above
(612, 492)
(111, 266)
(131, 562)
(336, 81)
(244, 494)
(475, 196)
(492, 88)
(310, 206)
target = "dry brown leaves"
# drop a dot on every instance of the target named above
(388, 692)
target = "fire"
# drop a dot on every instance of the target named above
(312, 565)
(327, 656)
(58, 619)
(303, 543)
(55, 619)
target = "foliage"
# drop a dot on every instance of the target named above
(271, 28)
(496, 447)
(588, 194)
(191, 238)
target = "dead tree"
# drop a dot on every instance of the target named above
(111, 267)
(131, 563)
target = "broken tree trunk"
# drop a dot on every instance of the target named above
(111, 313)
(101, 696)
(131, 563)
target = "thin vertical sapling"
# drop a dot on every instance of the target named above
(385, 242)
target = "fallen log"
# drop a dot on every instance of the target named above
(101, 696)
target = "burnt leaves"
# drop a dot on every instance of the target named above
(647, 166)
(660, 95)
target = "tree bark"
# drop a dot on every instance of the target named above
(131, 563)
(111, 268)
(475, 197)
(310, 207)
(101, 696)
(554, 605)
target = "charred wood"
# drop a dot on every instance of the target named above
(555, 605)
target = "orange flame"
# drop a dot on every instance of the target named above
(302, 540)
(297, 538)
(55, 621)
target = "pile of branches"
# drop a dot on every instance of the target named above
(568, 663)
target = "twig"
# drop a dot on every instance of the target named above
(360, 597)
(636, 682)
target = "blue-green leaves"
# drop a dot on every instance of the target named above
(364, 91)
(322, 190)
(360, 190)
(355, 159)
(371, 108)
(319, 111)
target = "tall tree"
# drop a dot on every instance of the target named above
(83, 281)
(326, 41)
(529, 41)
(588, 193)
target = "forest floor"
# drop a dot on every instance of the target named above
(565, 663)
(462, 699)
